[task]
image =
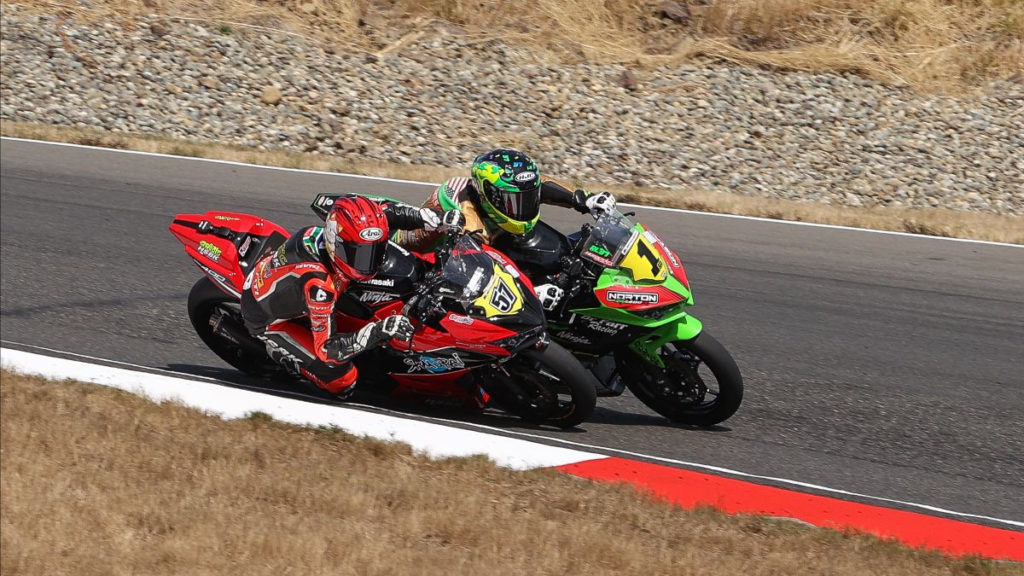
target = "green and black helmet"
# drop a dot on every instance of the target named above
(509, 186)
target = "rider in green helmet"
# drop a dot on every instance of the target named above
(503, 195)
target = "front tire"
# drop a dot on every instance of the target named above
(680, 391)
(547, 386)
(207, 302)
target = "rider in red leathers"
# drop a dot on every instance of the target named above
(289, 298)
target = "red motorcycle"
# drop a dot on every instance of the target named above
(480, 340)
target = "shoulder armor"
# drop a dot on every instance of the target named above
(313, 240)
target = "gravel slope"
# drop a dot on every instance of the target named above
(832, 139)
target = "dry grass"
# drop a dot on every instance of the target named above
(934, 222)
(944, 45)
(98, 481)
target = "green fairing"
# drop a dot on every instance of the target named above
(673, 323)
(647, 346)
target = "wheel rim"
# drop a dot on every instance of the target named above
(686, 383)
(538, 393)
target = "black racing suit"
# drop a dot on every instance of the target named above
(462, 192)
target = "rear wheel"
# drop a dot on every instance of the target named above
(547, 386)
(699, 385)
(208, 307)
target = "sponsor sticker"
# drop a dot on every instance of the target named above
(605, 326)
(570, 336)
(209, 249)
(632, 297)
(380, 281)
(525, 176)
(214, 275)
(460, 319)
(371, 234)
(244, 248)
(434, 365)
(375, 297)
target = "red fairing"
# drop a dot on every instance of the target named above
(637, 297)
(476, 333)
(219, 256)
(426, 339)
(432, 384)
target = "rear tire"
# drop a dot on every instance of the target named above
(547, 386)
(680, 391)
(204, 301)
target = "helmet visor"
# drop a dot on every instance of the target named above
(521, 204)
(366, 259)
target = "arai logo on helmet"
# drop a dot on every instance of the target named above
(525, 176)
(371, 234)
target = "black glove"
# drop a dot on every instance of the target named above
(579, 201)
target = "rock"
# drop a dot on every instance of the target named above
(674, 11)
(628, 80)
(208, 82)
(271, 95)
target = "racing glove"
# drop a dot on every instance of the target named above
(549, 295)
(601, 203)
(345, 346)
(579, 201)
(431, 221)
(453, 221)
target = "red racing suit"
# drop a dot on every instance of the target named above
(288, 302)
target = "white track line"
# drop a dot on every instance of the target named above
(435, 440)
(419, 183)
(580, 451)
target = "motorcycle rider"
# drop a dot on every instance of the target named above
(503, 195)
(289, 298)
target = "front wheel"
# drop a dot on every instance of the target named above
(547, 386)
(699, 385)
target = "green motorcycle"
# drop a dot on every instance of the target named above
(624, 316)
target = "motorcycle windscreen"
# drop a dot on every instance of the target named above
(608, 240)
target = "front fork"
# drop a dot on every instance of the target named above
(647, 346)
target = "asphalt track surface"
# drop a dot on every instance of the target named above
(877, 364)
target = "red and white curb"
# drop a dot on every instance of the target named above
(682, 487)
